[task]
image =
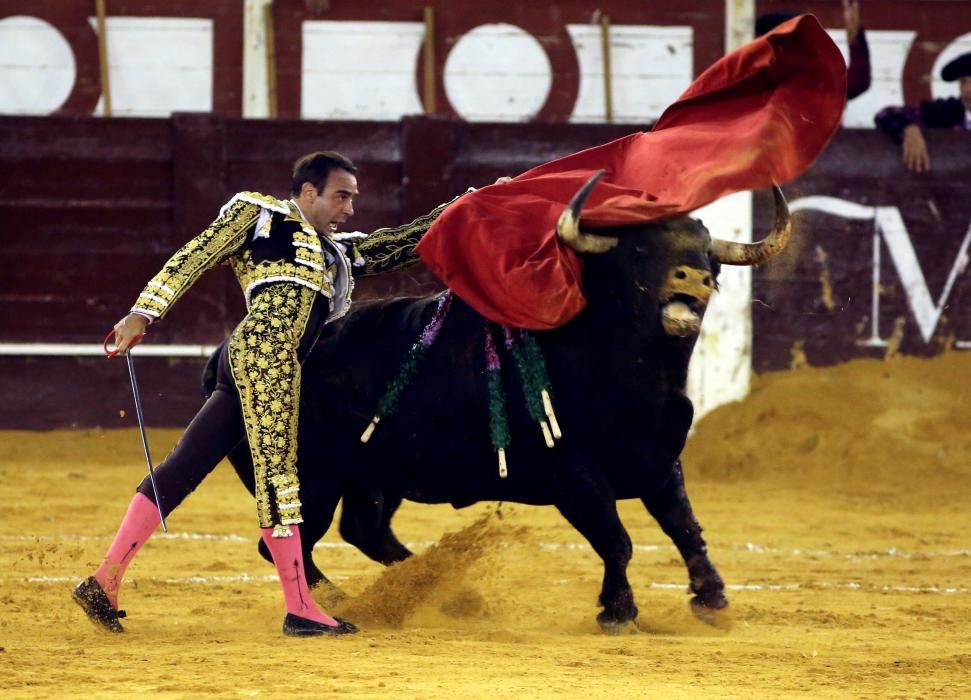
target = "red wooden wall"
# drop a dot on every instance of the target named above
(91, 208)
(71, 19)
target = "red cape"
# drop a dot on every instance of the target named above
(759, 116)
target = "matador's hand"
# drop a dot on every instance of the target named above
(129, 330)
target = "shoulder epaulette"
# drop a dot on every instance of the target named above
(263, 201)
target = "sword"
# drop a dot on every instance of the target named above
(141, 420)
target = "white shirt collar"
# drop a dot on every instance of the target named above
(299, 210)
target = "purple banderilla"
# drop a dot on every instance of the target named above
(389, 402)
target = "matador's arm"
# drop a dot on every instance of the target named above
(388, 249)
(221, 239)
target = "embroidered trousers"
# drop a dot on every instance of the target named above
(257, 396)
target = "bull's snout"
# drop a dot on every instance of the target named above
(684, 297)
(689, 281)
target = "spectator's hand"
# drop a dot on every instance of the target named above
(851, 19)
(915, 155)
(128, 331)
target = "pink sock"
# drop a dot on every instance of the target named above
(138, 525)
(288, 557)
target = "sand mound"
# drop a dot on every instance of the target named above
(866, 421)
(433, 579)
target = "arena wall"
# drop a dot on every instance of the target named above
(344, 60)
(90, 207)
(879, 260)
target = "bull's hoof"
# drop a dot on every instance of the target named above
(316, 579)
(712, 611)
(325, 590)
(616, 628)
(329, 595)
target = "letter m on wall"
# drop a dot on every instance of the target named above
(889, 229)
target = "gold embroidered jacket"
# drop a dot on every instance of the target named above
(265, 240)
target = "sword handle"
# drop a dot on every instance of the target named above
(116, 351)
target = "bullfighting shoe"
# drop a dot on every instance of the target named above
(296, 626)
(94, 601)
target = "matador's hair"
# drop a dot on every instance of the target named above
(315, 167)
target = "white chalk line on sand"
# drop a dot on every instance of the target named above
(761, 587)
(891, 553)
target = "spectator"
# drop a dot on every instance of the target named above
(903, 124)
(858, 70)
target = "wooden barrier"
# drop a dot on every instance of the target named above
(895, 279)
(91, 208)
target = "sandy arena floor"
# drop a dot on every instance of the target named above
(835, 502)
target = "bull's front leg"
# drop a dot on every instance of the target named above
(588, 502)
(672, 510)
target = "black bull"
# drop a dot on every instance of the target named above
(618, 374)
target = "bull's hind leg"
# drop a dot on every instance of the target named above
(672, 510)
(588, 502)
(317, 522)
(242, 463)
(313, 528)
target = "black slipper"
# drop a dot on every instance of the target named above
(94, 601)
(296, 626)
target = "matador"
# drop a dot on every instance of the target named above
(297, 275)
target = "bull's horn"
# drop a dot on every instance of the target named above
(732, 253)
(568, 227)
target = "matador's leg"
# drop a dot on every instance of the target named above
(265, 366)
(263, 355)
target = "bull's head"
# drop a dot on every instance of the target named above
(680, 259)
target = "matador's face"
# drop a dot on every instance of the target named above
(334, 204)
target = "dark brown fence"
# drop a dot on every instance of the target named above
(91, 208)
(895, 279)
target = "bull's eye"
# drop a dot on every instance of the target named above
(681, 274)
(706, 281)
